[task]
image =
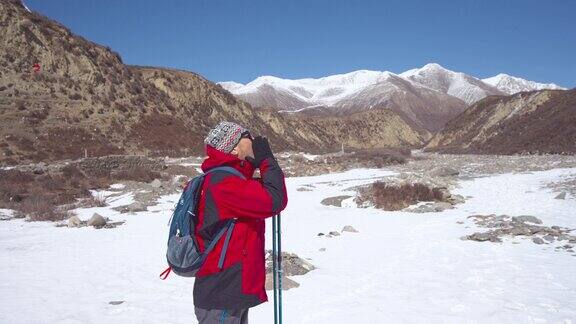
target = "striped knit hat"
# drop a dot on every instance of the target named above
(225, 136)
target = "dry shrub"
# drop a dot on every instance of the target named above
(136, 174)
(393, 197)
(37, 195)
(297, 158)
(13, 185)
(40, 206)
(95, 201)
(373, 158)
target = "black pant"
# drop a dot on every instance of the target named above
(221, 316)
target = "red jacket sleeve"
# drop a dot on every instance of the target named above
(238, 198)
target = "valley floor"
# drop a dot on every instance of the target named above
(400, 267)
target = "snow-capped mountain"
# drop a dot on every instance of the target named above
(286, 94)
(511, 85)
(423, 107)
(456, 84)
(352, 92)
(428, 96)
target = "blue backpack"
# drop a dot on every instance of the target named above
(184, 256)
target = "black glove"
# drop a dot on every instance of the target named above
(261, 149)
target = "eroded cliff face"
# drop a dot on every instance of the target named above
(529, 122)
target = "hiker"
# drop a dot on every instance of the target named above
(225, 295)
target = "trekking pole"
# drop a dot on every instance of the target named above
(274, 268)
(279, 235)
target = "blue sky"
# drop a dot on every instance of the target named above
(240, 39)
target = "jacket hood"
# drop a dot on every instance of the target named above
(218, 158)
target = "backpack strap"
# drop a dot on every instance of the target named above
(226, 241)
(216, 239)
(229, 227)
(228, 169)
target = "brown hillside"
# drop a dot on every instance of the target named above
(84, 99)
(529, 122)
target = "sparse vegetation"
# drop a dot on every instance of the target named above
(40, 191)
(40, 206)
(75, 96)
(95, 201)
(396, 197)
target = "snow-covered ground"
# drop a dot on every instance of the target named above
(400, 268)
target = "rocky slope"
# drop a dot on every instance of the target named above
(528, 122)
(84, 100)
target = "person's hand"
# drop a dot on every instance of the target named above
(261, 149)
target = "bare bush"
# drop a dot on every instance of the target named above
(97, 200)
(40, 206)
(13, 185)
(136, 174)
(396, 197)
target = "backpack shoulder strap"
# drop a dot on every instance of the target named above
(229, 227)
(227, 169)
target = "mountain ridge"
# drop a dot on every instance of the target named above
(370, 77)
(84, 101)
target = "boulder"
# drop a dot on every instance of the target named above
(116, 302)
(292, 265)
(561, 195)
(456, 199)
(440, 206)
(74, 221)
(334, 201)
(537, 240)
(527, 218)
(349, 228)
(520, 230)
(334, 233)
(137, 206)
(483, 237)
(549, 238)
(97, 221)
(287, 283)
(156, 183)
(422, 209)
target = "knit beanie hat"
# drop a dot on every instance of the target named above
(225, 136)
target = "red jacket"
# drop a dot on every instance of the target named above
(240, 282)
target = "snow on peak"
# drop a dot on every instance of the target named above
(457, 84)
(426, 69)
(329, 90)
(510, 84)
(314, 91)
(230, 85)
(433, 66)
